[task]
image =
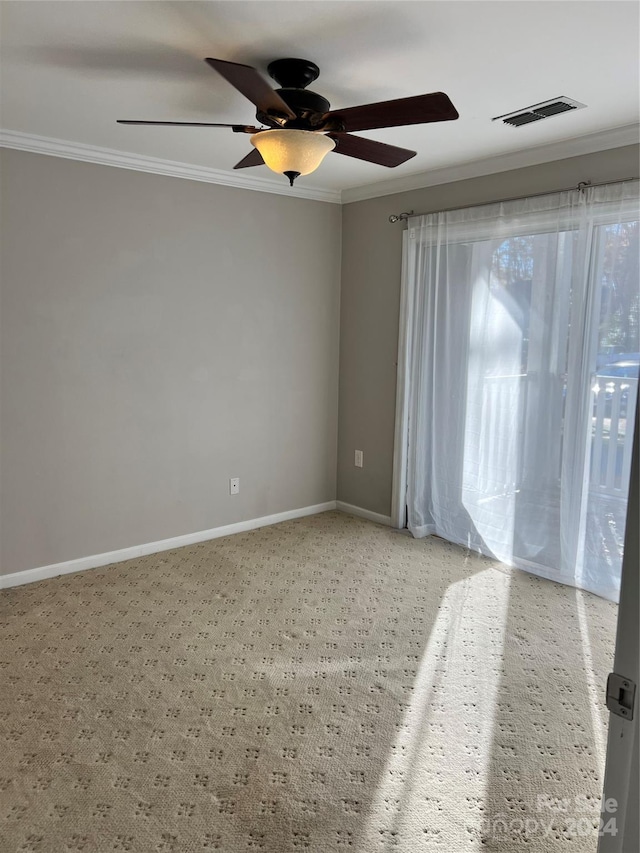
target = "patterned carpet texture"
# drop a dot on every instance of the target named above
(326, 684)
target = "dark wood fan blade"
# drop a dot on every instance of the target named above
(420, 109)
(253, 158)
(237, 128)
(369, 149)
(248, 81)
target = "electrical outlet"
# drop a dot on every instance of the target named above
(234, 485)
(359, 462)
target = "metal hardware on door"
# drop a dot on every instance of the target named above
(621, 693)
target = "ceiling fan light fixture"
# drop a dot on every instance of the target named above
(292, 152)
(300, 127)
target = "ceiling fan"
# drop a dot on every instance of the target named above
(299, 126)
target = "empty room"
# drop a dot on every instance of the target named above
(319, 358)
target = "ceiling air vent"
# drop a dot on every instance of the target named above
(539, 111)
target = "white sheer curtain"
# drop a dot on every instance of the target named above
(517, 443)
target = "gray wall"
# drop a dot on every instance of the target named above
(371, 261)
(158, 337)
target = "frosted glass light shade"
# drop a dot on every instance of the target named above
(299, 151)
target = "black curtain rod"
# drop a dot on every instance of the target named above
(398, 217)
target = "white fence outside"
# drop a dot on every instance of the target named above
(613, 417)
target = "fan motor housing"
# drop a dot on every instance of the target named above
(293, 76)
(293, 73)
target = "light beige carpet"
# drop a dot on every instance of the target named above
(322, 685)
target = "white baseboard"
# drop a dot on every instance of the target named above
(363, 513)
(97, 560)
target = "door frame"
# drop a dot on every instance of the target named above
(401, 429)
(620, 794)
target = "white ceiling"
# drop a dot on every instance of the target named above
(70, 69)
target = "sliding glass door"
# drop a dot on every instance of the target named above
(520, 371)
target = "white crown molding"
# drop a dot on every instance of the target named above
(589, 144)
(97, 560)
(574, 147)
(155, 165)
